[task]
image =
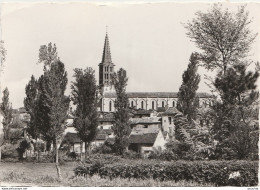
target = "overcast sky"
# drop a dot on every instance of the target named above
(148, 40)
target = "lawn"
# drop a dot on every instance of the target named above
(44, 174)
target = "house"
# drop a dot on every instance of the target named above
(146, 122)
(167, 120)
(146, 140)
(144, 113)
(106, 120)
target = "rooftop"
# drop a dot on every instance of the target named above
(153, 95)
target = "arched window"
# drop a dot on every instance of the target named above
(142, 104)
(153, 105)
(173, 104)
(110, 106)
(162, 103)
(132, 103)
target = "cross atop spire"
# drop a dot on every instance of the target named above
(106, 58)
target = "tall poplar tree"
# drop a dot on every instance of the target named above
(121, 126)
(53, 104)
(84, 97)
(188, 102)
(30, 104)
(6, 111)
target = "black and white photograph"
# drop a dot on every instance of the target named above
(129, 94)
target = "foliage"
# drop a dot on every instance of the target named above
(121, 126)
(188, 102)
(104, 148)
(6, 109)
(2, 52)
(164, 155)
(94, 181)
(48, 55)
(9, 151)
(31, 106)
(234, 112)
(84, 97)
(23, 146)
(223, 37)
(103, 159)
(217, 172)
(131, 155)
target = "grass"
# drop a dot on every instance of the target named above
(44, 174)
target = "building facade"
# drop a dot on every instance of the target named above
(137, 100)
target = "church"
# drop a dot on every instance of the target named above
(137, 100)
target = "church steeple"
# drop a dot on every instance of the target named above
(106, 58)
(106, 68)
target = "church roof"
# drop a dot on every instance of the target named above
(106, 58)
(153, 95)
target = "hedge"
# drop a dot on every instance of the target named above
(220, 173)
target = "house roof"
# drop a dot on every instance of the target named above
(143, 112)
(171, 111)
(109, 117)
(143, 135)
(145, 120)
(153, 95)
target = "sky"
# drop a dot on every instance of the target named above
(147, 39)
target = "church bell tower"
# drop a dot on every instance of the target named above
(106, 69)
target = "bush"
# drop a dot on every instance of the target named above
(220, 173)
(164, 155)
(103, 149)
(102, 158)
(131, 155)
(9, 151)
(23, 146)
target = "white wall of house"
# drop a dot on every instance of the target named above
(159, 141)
(167, 124)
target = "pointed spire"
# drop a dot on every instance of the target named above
(106, 52)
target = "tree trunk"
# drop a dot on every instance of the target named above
(57, 160)
(86, 150)
(0, 154)
(81, 154)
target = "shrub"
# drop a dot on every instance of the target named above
(22, 148)
(131, 155)
(9, 151)
(72, 155)
(220, 173)
(103, 149)
(164, 155)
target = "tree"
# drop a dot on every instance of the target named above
(31, 106)
(121, 126)
(234, 111)
(188, 102)
(84, 97)
(53, 104)
(2, 60)
(224, 38)
(6, 111)
(2, 53)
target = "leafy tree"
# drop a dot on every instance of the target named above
(84, 97)
(2, 53)
(121, 126)
(31, 106)
(188, 102)
(233, 111)
(53, 104)
(6, 109)
(224, 38)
